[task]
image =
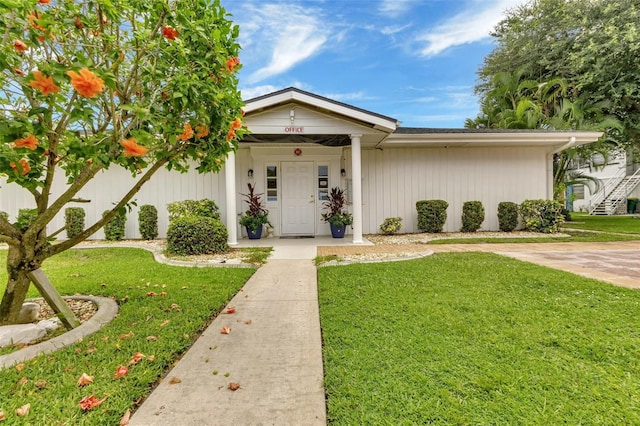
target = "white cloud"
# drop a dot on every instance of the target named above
(394, 29)
(342, 97)
(254, 92)
(394, 8)
(474, 24)
(282, 35)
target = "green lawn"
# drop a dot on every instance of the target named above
(471, 338)
(622, 224)
(193, 297)
(575, 236)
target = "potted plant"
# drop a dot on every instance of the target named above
(337, 217)
(255, 216)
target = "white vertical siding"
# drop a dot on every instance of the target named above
(394, 179)
(109, 186)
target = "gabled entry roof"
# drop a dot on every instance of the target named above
(276, 117)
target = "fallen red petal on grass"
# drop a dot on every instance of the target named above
(151, 294)
(234, 386)
(89, 402)
(225, 330)
(84, 380)
(136, 358)
(230, 310)
(124, 421)
(121, 372)
(23, 411)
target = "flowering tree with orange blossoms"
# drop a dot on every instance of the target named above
(93, 84)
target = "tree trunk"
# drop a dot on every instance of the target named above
(17, 286)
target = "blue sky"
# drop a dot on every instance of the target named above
(413, 60)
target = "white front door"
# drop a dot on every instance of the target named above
(298, 201)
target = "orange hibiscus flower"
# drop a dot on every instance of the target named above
(202, 131)
(132, 149)
(24, 164)
(86, 83)
(187, 134)
(236, 124)
(20, 46)
(170, 33)
(44, 84)
(30, 142)
(232, 63)
(44, 1)
(33, 17)
(231, 135)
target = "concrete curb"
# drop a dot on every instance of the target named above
(107, 311)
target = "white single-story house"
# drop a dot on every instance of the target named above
(302, 144)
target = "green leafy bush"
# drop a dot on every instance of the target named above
(472, 216)
(25, 218)
(5, 215)
(114, 229)
(74, 221)
(542, 215)
(507, 216)
(432, 215)
(148, 222)
(204, 208)
(191, 235)
(391, 225)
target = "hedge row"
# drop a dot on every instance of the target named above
(544, 216)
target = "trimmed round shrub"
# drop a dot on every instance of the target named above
(148, 222)
(472, 216)
(74, 221)
(542, 215)
(432, 215)
(205, 207)
(391, 225)
(507, 216)
(190, 235)
(114, 229)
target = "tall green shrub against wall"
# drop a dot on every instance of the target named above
(191, 235)
(74, 221)
(542, 215)
(472, 216)
(507, 216)
(204, 208)
(148, 222)
(432, 215)
(114, 229)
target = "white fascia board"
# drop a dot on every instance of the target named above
(378, 123)
(551, 139)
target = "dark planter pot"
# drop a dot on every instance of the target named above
(254, 235)
(337, 231)
(631, 205)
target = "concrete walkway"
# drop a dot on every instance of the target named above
(273, 351)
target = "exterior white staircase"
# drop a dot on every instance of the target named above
(613, 196)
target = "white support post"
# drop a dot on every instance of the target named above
(230, 196)
(356, 176)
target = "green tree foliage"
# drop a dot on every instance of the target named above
(585, 51)
(88, 85)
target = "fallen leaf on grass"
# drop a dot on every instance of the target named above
(78, 350)
(84, 380)
(174, 381)
(151, 338)
(40, 384)
(225, 330)
(22, 381)
(234, 386)
(124, 421)
(3, 416)
(230, 310)
(90, 350)
(163, 294)
(121, 372)
(126, 336)
(23, 411)
(19, 367)
(151, 358)
(163, 323)
(150, 294)
(89, 402)
(136, 358)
